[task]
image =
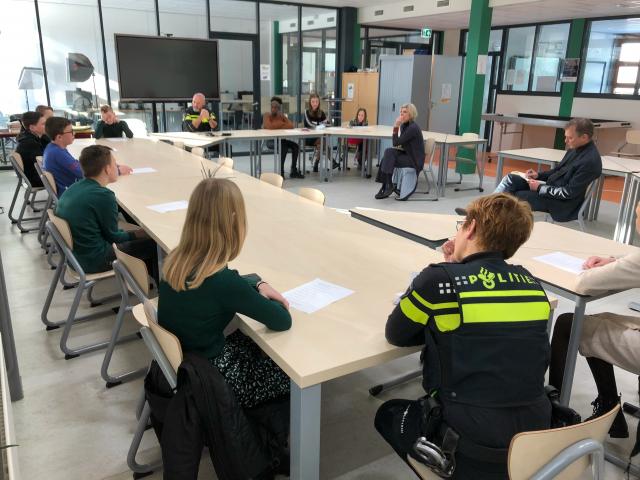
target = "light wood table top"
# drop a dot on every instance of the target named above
(535, 154)
(632, 164)
(283, 246)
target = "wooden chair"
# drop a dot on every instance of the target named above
(167, 352)
(60, 232)
(557, 453)
(632, 138)
(226, 162)
(29, 197)
(132, 276)
(49, 185)
(247, 111)
(199, 151)
(312, 194)
(427, 169)
(272, 178)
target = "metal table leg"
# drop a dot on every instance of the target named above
(572, 351)
(305, 432)
(622, 208)
(499, 169)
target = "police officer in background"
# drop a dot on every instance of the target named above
(197, 118)
(483, 325)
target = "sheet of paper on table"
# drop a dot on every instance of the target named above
(315, 295)
(170, 206)
(137, 171)
(563, 261)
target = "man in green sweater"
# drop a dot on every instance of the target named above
(91, 210)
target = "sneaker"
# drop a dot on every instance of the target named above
(619, 428)
(296, 174)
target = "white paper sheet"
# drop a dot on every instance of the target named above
(315, 295)
(563, 261)
(137, 171)
(170, 206)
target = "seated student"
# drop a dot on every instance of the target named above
(65, 169)
(45, 110)
(197, 118)
(407, 151)
(109, 126)
(314, 117)
(199, 295)
(607, 339)
(359, 121)
(91, 210)
(560, 191)
(483, 323)
(31, 144)
(276, 120)
(56, 159)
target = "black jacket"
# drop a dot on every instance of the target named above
(410, 139)
(568, 181)
(29, 147)
(204, 411)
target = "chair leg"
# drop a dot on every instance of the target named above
(44, 316)
(13, 202)
(134, 466)
(141, 403)
(377, 389)
(114, 380)
(21, 217)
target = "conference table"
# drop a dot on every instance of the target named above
(545, 238)
(611, 166)
(370, 134)
(290, 241)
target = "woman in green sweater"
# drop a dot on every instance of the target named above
(199, 295)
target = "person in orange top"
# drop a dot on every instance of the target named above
(276, 120)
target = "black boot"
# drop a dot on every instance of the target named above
(315, 166)
(295, 173)
(619, 428)
(385, 191)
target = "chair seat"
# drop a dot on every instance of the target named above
(92, 276)
(139, 315)
(423, 471)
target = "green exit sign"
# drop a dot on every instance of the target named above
(426, 33)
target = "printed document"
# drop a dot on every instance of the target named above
(137, 171)
(169, 207)
(563, 261)
(315, 295)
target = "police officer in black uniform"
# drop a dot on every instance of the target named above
(197, 118)
(483, 325)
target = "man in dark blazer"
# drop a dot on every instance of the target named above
(561, 190)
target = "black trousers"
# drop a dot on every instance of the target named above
(399, 423)
(519, 187)
(285, 147)
(392, 159)
(602, 371)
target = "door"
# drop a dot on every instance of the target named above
(239, 87)
(445, 92)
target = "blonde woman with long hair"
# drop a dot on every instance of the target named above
(199, 295)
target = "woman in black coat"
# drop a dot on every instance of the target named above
(407, 151)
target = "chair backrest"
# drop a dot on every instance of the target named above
(63, 228)
(168, 341)
(247, 107)
(272, 178)
(587, 198)
(16, 160)
(422, 470)
(136, 268)
(312, 194)
(39, 160)
(49, 183)
(137, 126)
(633, 137)
(429, 151)
(226, 162)
(530, 451)
(198, 151)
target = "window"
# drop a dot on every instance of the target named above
(495, 40)
(612, 60)
(20, 57)
(517, 64)
(550, 50)
(187, 18)
(232, 16)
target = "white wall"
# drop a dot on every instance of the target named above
(608, 109)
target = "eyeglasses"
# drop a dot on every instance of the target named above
(459, 223)
(70, 131)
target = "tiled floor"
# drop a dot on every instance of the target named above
(71, 427)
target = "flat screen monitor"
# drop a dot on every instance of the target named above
(166, 69)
